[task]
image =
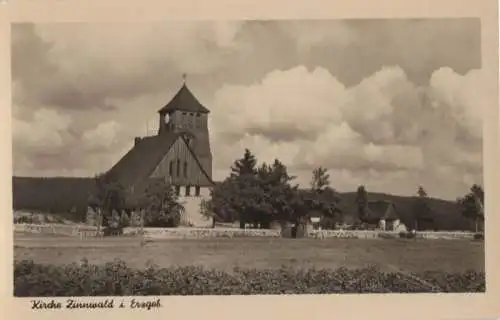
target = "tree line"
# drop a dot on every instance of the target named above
(253, 194)
(258, 195)
(261, 194)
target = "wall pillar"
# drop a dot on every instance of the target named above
(382, 224)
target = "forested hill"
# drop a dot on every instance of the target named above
(447, 214)
(69, 196)
(56, 195)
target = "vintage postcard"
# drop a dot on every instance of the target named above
(294, 161)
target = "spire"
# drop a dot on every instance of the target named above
(184, 100)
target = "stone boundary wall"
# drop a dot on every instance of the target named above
(373, 234)
(197, 233)
(57, 229)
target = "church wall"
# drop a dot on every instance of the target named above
(194, 176)
(206, 163)
(192, 214)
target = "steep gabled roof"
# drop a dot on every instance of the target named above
(141, 159)
(382, 209)
(184, 100)
(144, 157)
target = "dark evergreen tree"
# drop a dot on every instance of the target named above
(245, 165)
(472, 205)
(422, 214)
(361, 201)
(320, 179)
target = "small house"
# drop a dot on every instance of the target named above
(382, 213)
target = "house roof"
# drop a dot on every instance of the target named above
(140, 161)
(383, 209)
(184, 100)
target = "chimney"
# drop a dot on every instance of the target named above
(136, 140)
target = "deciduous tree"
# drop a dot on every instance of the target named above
(472, 205)
(109, 195)
(161, 204)
(323, 198)
(421, 210)
(320, 179)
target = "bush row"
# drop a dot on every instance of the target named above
(116, 279)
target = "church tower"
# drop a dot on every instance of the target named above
(184, 114)
(179, 153)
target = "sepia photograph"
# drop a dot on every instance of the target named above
(248, 157)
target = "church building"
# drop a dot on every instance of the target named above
(179, 153)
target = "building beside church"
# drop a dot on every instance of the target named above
(179, 153)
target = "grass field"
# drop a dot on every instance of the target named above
(260, 253)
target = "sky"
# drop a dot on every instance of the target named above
(390, 104)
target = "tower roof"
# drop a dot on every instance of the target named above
(184, 100)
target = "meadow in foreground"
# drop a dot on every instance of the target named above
(261, 253)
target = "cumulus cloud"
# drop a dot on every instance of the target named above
(388, 103)
(101, 137)
(461, 95)
(76, 59)
(386, 123)
(310, 34)
(45, 130)
(273, 106)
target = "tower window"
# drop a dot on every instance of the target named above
(171, 168)
(197, 191)
(188, 191)
(185, 169)
(178, 167)
(184, 113)
(197, 114)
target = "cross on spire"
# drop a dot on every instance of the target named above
(184, 76)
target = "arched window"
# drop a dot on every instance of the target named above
(178, 167)
(185, 169)
(171, 168)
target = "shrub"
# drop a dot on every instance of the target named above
(112, 231)
(117, 279)
(124, 220)
(327, 223)
(407, 235)
(23, 219)
(386, 235)
(479, 236)
(411, 235)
